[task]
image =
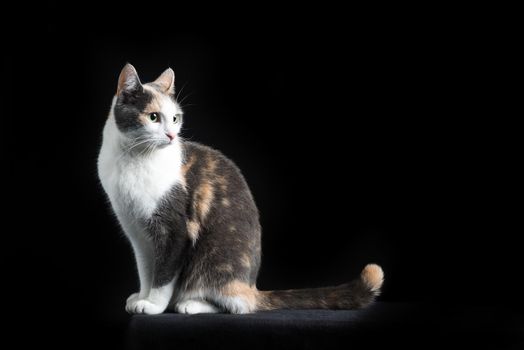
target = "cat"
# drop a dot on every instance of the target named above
(190, 216)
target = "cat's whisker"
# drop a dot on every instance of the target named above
(184, 98)
(128, 150)
(180, 92)
(138, 143)
(150, 147)
(153, 148)
(144, 150)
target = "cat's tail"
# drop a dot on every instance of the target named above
(353, 295)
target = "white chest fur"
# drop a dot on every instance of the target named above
(135, 185)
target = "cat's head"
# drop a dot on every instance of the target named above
(147, 114)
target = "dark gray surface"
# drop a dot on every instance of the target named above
(382, 324)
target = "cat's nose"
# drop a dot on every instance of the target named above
(170, 135)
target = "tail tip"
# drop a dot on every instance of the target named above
(373, 276)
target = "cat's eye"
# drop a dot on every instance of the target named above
(153, 117)
(176, 118)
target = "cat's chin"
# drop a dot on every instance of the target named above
(165, 145)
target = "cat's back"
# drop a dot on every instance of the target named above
(213, 177)
(204, 163)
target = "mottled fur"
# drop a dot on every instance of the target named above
(197, 237)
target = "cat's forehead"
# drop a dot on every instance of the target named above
(158, 101)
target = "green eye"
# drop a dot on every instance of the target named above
(153, 117)
(176, 118)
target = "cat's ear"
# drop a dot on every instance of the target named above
(166, 81)
(128, 80)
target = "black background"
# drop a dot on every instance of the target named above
(364, 136)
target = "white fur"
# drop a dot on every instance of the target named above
(196, 307)
(233, 304)
(144, 255)
(155, 303)
(168, 109)
(135, 186)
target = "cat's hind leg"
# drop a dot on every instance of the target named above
(195, 306)
(237, 297)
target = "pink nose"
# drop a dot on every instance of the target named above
(171, 136)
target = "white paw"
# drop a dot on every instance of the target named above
(196, 307)
(132, 298)
(143, 306)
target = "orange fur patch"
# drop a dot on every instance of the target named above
(225, 268)
(185, 168)
(210, 167)
(154, 106)
(156, 102)
(193, 229)
(204, 198)
(242, 290)
(222, 182)
(187, 165)
(245, 261)
(205, 193)
(373, 276)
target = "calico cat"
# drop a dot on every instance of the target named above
(190, 216)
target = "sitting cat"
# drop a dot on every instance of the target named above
(190, 216)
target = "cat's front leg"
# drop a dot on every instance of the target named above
(168, 253)
(143, 250)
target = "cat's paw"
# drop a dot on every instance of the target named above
(130, 302)
(132, 298)
(143, 306)
(196, 307)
